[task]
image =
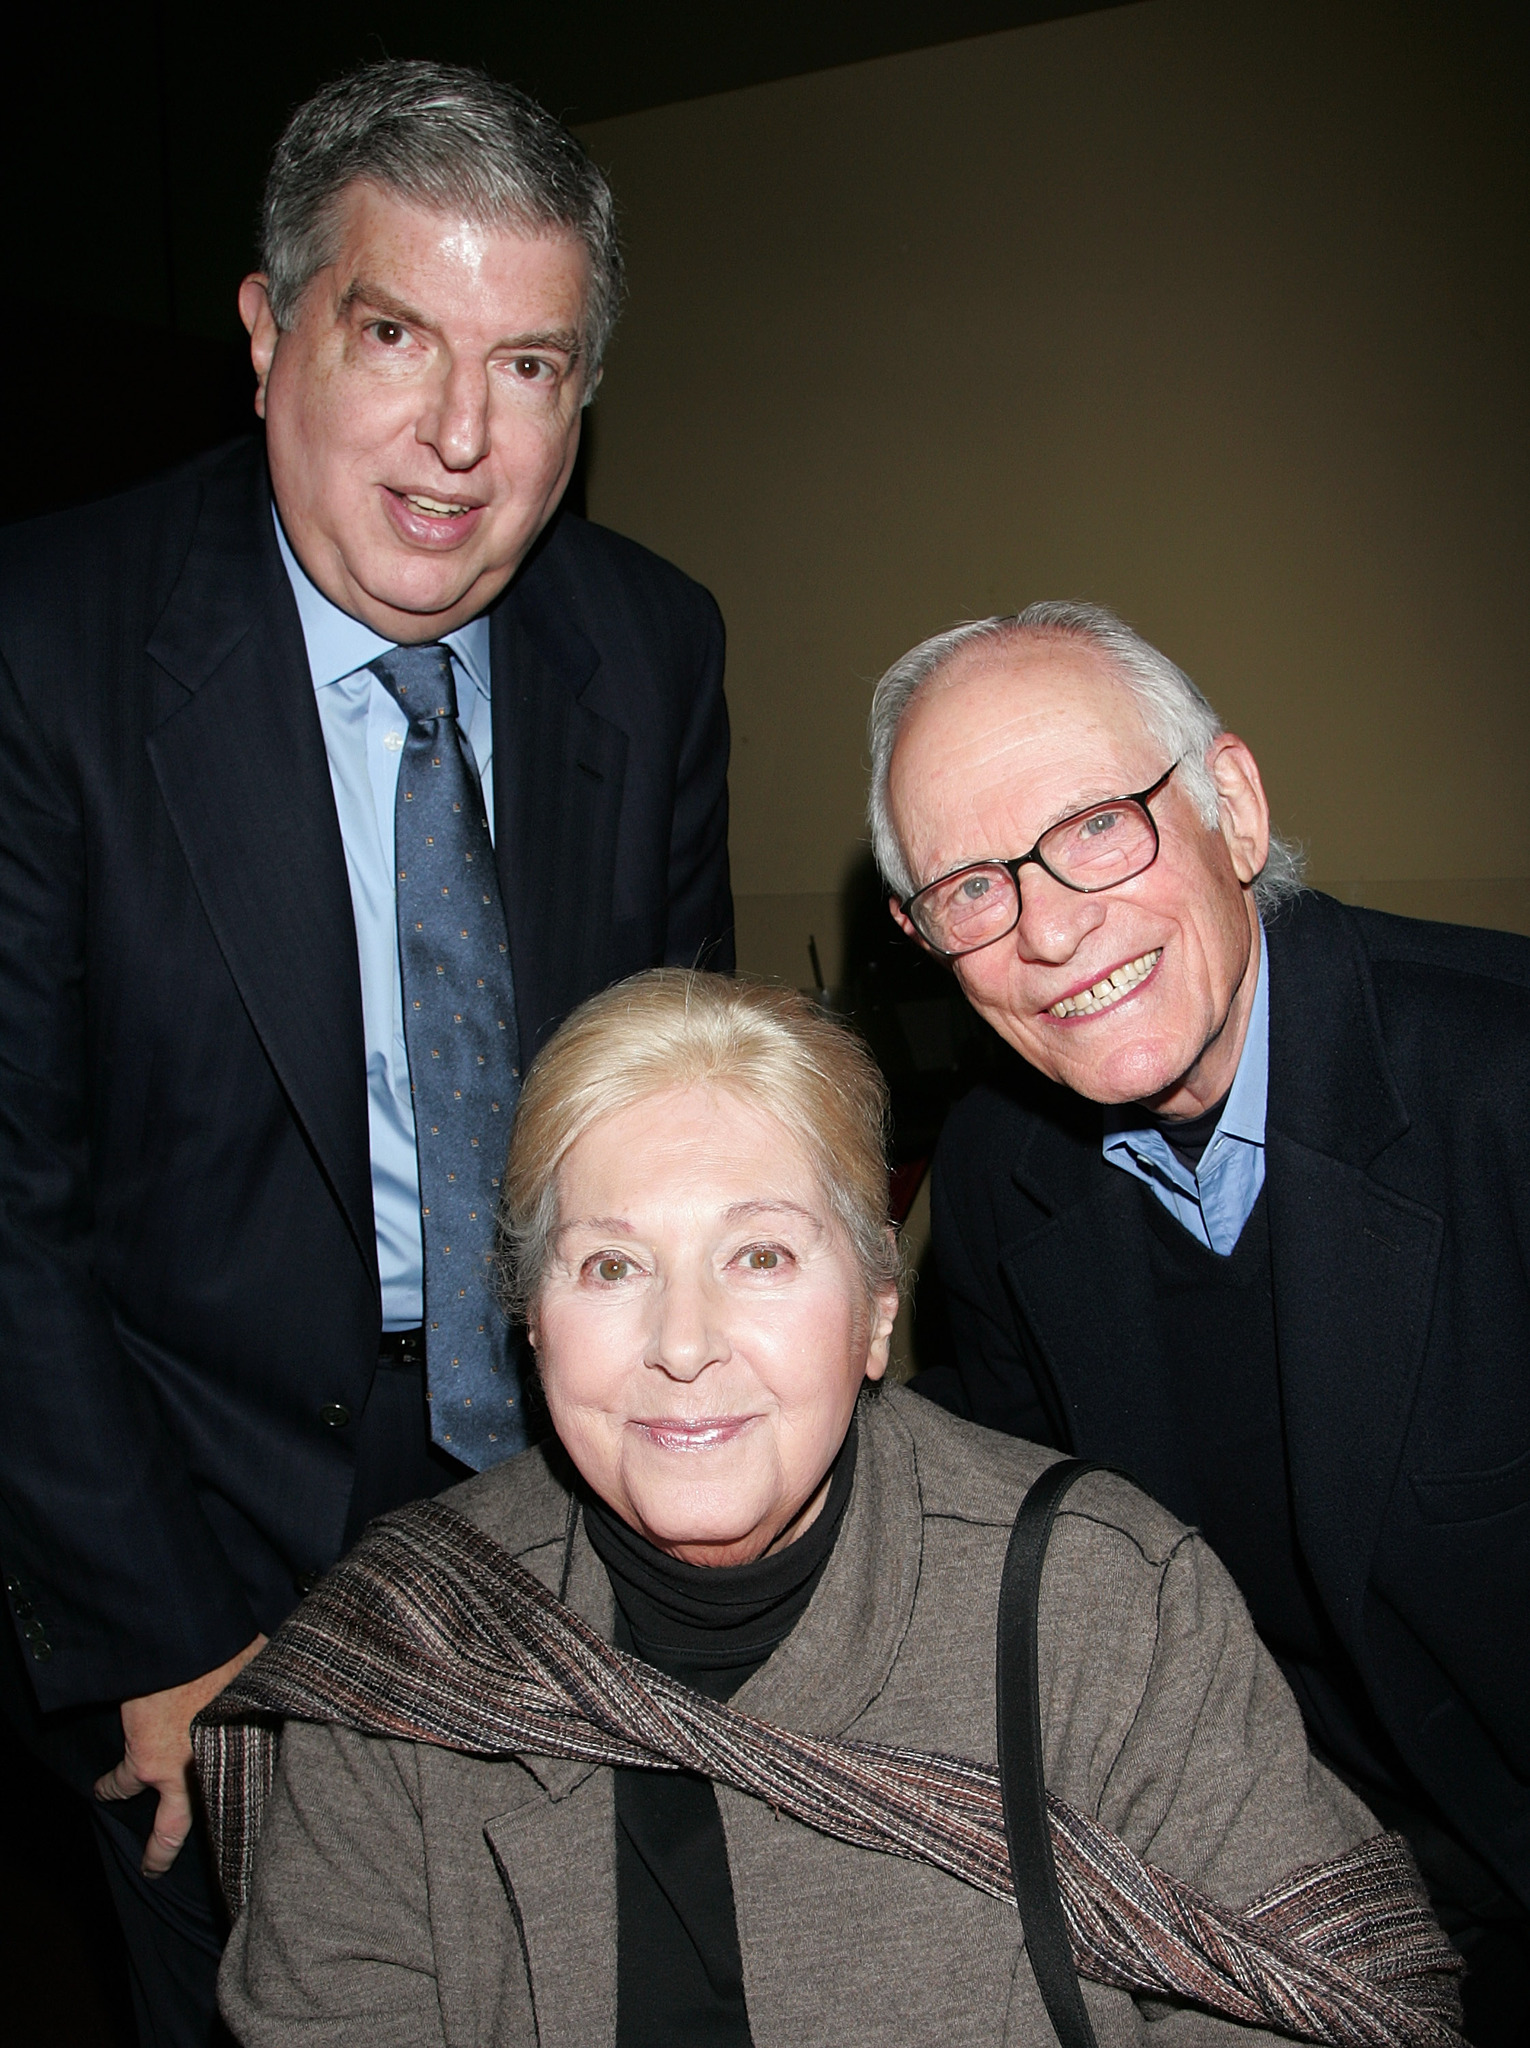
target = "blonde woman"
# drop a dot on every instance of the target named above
(680, 1728)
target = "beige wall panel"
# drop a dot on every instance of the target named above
(1213, 312)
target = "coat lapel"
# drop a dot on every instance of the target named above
(555, 1850)
(1353, 1263)
(242, 770)
(1083, 1285)
(558, 772)
(557, 1860)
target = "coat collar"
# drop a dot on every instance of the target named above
(837, 1659)
(232, 577)
(1331, 1086)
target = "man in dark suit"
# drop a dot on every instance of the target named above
(334, 773)
(1251, 1220)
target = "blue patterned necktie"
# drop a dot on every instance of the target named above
(464, 1061)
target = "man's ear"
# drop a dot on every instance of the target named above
(260, 325)
(903, 923)
(1243, 811)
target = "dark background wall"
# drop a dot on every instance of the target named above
(136, 139)
(1211, 310)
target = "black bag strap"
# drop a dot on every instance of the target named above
(1022, 1778)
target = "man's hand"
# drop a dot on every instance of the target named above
(156, 1746)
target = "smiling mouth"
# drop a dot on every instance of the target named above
(434, 508)
(1118, 983)
(694, 1436)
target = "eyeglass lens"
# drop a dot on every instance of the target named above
(1094, 850)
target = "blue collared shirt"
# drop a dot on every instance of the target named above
(1215, 1202)
(364, 737)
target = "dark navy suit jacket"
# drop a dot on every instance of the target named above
(188, 1267)
(1398, 1197)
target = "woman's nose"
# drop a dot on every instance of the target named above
(689, 1331)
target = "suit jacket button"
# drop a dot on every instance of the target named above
(37, 1640)
(306, 1581)
(336, 1416)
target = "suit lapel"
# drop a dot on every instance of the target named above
(242, 769)
(1353, 1270)
(1353, 1263)
(558, 772)
(1084, 1287)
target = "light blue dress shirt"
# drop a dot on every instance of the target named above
(364, 737)
(1214, 1203)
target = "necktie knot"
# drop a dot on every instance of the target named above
(419, 680)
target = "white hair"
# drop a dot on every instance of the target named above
(1173, 710)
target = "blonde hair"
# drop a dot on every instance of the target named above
(676, 1028)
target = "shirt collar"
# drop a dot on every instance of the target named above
(1248, 1099)
(338, 645)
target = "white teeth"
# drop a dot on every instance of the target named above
(434, 506)
(1110, 989)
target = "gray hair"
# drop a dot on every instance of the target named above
(1173, 710)
(444, 137)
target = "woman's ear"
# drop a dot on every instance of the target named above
(884, 1313)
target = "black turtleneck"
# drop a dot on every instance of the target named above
(1188, 1136)
(680, 1980)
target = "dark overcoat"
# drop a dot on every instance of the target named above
(188, 1265)
(1399, 1214)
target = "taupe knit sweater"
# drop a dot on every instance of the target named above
(1164, 1721)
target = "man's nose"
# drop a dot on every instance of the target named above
(688, 1331)
(456, 426)
(1054, 921)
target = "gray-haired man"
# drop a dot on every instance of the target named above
(1252, 1220)
(332, 773)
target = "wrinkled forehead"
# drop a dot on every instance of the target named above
(1035, 729)
(373, 233)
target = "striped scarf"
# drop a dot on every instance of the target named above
(431, 1632)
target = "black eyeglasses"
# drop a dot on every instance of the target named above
(1096, 849)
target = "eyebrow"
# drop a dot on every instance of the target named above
(1069, 810)
(740, 1211)
(619, 1226)
(360, 293)
(1074, 810)
(736, 1212)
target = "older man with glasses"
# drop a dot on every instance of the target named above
(1249, 1218)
